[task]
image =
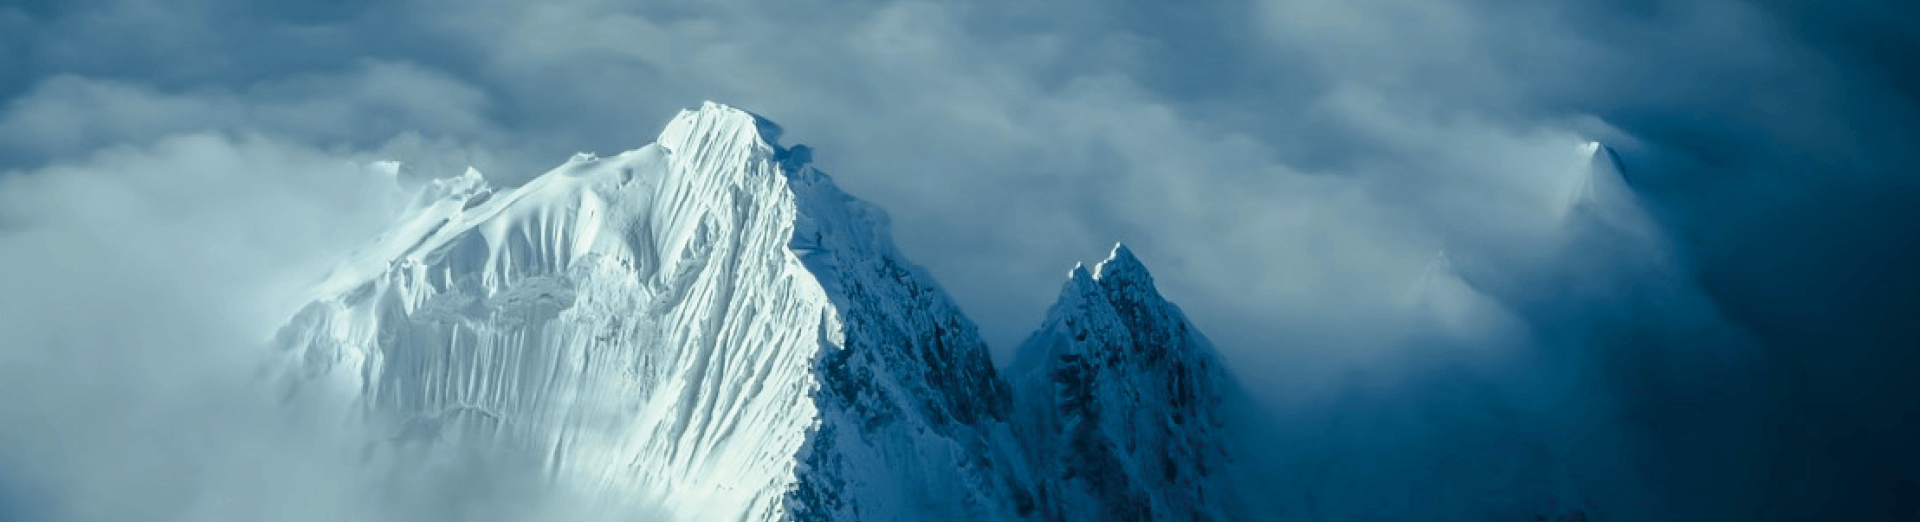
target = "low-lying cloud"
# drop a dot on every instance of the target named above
(144, 283)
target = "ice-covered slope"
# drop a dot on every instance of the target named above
(1123, 404)
(704, 325)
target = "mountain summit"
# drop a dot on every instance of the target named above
(1122, 404)
(1602, 196)
(705, 325)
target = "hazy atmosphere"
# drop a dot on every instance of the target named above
(175, 175)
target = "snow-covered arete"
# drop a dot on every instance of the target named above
(707, 329)
(705, 325)
(1123, 404)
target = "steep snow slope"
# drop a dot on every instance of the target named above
(1122, 404)
(705, 325)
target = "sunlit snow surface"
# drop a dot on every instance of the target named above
(704, 326)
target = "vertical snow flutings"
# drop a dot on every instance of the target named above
(707, 323)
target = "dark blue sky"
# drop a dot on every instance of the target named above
(1287, 167)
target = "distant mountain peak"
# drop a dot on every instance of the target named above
(1603, 205)
(1603, 180)
(1438, 269)
(1123, 267)
(1080, 280)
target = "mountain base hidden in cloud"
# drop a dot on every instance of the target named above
(706, 328)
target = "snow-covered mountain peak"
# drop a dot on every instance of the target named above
(1118, 294)
(691, 126)
(1130, 291)
(1603, 201)
(1600, 180)
(1122, 400)
(716, 128)
(705, 325)
(1122, 267)
(1079, 281)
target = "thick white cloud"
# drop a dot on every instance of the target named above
(143, 285)
(67, 116)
